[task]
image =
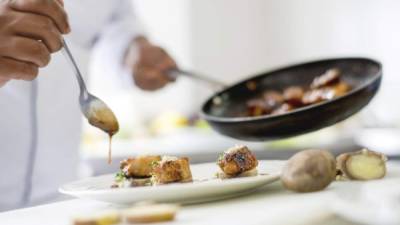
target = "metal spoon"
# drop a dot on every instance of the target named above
(95, 110)
(176, 72)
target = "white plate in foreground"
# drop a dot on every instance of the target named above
(98, 188)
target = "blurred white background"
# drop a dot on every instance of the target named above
(232, 39)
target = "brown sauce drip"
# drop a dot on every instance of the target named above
(109, 148)
(103, 118)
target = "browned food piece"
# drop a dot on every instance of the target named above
(318, 95)
(361, 165)
(257, 107)
(269, 101)
(151, 213)
(323, 88)
(284, 108)
(330, 77)
(309, 170)
(341, 88)
(251, 85)
(171, 169)
(237, 160)
(294, 95)
(140, 166)
(273, 99)
(326, 93)
(186, 173)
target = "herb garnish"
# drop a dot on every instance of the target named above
(120, 176)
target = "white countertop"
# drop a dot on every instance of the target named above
(268, 205)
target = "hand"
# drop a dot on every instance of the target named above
(150, 64)
(30, 30)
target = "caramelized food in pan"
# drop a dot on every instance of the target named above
(323, 88)
(331, 76)
(273, 98)
(294, 95)
(285, 107)
(237, 161)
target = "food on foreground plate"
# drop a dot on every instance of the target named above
(152, 170)
(150, 213)
(171, 169)
(323, 88)
(140, 213)
(237, 161)
(135, 171)
(361, 165)
(309, 170)
(99, 218)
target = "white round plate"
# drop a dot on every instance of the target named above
(203, 189)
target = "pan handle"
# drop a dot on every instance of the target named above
(178, 72)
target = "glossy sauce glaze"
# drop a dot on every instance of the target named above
(103, 118)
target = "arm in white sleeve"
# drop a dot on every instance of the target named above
(113, 41)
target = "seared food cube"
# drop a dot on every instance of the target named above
(257, 107)
(273, 99)
(294, 95)
(171, 169)
(330, 77)
(237, 160)
(317, 95)
(283, 109)
(326, 93)
(140, 166)
(341, 88)
(269, 101)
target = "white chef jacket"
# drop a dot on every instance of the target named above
(40, 121)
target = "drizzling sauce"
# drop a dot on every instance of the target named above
(109, 148)
(103, 118)
(110, 136)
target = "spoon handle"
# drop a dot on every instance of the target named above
(175, 73)
(68, 55)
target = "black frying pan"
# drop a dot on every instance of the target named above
(364, 75)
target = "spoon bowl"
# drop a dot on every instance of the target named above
(99, 114)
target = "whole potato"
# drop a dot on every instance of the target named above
(309, 170)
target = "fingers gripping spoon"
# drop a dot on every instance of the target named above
(95, 110)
